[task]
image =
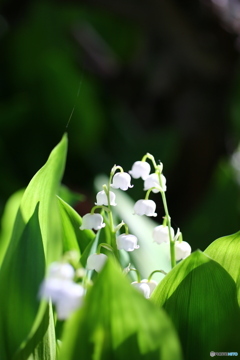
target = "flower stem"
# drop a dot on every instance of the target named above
(168, 220)
(110, 218)
(138, 274)
(155, 271)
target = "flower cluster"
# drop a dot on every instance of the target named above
(59, 285)
(105, 199)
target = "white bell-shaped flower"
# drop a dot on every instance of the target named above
(182, 250)
(65, 294)
(140, 169)
(127, 242)
(161, 234)
(103, 200)
(143, 288)
(96, 262)
(121, 180)
(92, 221)
(145, 207)
(151, 283)
(153, 181)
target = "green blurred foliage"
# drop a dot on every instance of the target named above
(124, 78)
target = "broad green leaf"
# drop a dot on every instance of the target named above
(43, 189)
(226, 251)
(74, 239)
(7, 221)
(21, 274)
(35, 237)
(200, 297)
(150, 256)
(117, 322)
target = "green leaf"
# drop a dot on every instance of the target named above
(142, 227)
(117, 322)
(36, 236)
(74, 239)
(200, 297)
(43, 189)
(21, 274)
(226, 251)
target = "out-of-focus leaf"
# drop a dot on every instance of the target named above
(8, 219)
(69, 196)
(121, 324)
(201, 299)
(21, 274)
(74, 239)
(226, 251)
(221, 194)
(150, 256)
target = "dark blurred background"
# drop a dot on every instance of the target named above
(141, 76)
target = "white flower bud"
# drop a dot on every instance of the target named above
(103, 200)
(145, 207)
(96, 262)
(140, 169)
(92, 221)
(182, 250)
(121, 180)
(143, 288)
(153, 181)
(127, 242)
(161, 234)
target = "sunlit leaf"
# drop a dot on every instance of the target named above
(43, 189)
(226, 251)
(35, 237)
(117, 322)
(201, 299)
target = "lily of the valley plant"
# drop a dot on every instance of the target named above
(80, 287)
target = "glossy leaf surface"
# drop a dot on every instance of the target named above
(200, 297)
(226, 251)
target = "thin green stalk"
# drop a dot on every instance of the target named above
(172, 243)
(110, 215)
